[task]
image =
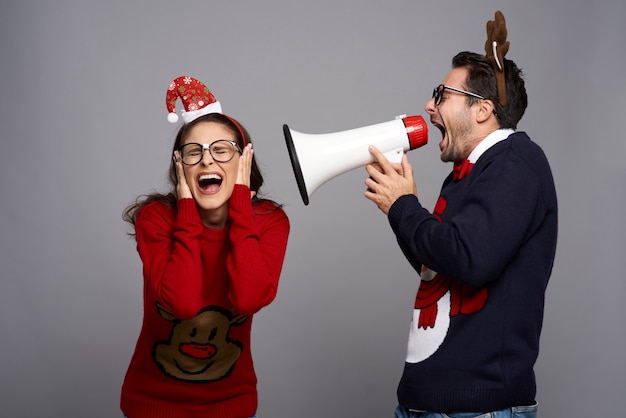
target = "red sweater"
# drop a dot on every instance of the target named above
(201, 288)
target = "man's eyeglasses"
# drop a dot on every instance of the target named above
(438, 93)
(222, 151)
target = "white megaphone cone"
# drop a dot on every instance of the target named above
(318, 158)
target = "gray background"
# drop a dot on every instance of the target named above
(84, 132)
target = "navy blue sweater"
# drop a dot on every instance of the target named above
(496, 233)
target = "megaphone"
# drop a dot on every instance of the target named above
(317, 158)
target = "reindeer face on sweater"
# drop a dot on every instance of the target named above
(199, 349)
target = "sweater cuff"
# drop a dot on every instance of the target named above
(241, 196)
(187, 210)
(398, 207)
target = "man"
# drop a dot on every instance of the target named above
(485, 253)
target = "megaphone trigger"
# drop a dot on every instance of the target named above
(394, 156)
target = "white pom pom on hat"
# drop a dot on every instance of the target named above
(172, 117)
(196, 97)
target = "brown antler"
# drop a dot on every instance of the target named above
(496, 48)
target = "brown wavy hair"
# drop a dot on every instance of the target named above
(242, 137)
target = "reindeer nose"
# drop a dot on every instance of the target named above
(198, 351)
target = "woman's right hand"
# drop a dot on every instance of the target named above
(182, 188)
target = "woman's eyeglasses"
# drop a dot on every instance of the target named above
(438, 93)
(222, 151)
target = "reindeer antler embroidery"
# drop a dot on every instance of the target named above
(496, 48)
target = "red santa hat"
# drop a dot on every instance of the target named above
(196, 97)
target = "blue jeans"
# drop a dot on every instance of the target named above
(515, 412)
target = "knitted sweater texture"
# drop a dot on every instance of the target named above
(485, 256)
(201, 288)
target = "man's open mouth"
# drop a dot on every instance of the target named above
(440, 127)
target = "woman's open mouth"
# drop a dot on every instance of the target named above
(210, 183)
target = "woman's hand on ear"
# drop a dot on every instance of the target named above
(245, 166)
(182, 188)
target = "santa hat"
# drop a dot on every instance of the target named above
(196, 97)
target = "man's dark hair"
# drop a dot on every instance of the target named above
(481, 80)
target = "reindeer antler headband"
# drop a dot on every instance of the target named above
(496, 48)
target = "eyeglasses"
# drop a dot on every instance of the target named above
(222, 151)
(438, 93)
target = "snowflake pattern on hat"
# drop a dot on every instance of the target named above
(196, 97)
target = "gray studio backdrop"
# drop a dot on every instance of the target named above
(84, 132)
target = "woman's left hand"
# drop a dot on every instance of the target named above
(245, 166)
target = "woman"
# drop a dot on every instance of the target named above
(212, 252)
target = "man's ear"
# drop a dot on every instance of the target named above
(485, 110)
